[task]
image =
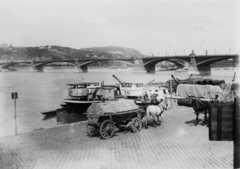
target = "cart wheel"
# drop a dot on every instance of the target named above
(92, 131)
(107, 129)
(136, 125)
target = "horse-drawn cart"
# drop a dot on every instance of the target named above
(106, 118)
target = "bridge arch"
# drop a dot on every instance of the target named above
(80, 64)
(180, 62)
(149, 64)
(9, 64)
(213, 60)
(86, 63)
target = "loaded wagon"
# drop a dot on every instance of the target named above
(105, 118)
(200, 96)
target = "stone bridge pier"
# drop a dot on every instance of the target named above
(204, 69)
(150, 68)
(193, 69)
(35, 68)
(198, 69)
(79, 68)
(138, 66)
(236, 61)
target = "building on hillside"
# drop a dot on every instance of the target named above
(48, 47)
(45, 47)
(102, 57)
(87, 56)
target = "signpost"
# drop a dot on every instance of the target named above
(15, 96)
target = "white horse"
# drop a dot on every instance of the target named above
(155, 112)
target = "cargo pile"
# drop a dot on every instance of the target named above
(225, 93)
(109, 107)
(230, 90)
(199, 91)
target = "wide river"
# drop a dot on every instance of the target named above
(41, 92)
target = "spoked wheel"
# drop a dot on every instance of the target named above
(92, 131)
(107, 129)
(136, 124)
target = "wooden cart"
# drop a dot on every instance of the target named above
(107, 123)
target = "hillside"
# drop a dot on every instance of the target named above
(62, 53)
(8, 52)
(125, 52)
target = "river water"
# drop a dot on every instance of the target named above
(41, 92)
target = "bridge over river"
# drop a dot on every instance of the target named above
(195, 64)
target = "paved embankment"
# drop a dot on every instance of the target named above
(177, 143)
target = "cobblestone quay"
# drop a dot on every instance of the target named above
(177, 143)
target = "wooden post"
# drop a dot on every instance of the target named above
(236, 155)
(171, 92)
(15, 109)
(15, 96)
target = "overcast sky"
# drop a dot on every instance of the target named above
(149, 26)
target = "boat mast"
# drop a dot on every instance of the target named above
(174, 79)
(151, 81)
(117, 79)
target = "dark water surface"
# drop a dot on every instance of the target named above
(41, 92)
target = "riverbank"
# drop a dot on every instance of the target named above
(177, 143)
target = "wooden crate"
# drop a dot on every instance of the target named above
(221, 119)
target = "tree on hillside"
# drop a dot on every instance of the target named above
(36, 51)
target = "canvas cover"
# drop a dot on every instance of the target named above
(199, 91)
(107, 107)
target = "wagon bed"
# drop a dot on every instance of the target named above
(104, 120)
(106, 124)
(116, 117)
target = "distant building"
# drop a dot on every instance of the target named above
(102, 57)
(45, 47)
(48, 47)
